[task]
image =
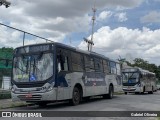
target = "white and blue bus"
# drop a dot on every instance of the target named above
(137, 80)
(49, 72)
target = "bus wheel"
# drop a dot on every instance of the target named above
(125, 93)
(143, 90)
(76, 97)
(151, 92)
(110, 95)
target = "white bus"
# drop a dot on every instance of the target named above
(137, 80)
(49, 72)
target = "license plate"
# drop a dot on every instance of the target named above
(29, 96)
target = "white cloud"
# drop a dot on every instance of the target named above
(121, 41)
(104, 15)
(151, 17)
(55, 18)
(154, 51)
(121, 17)
(12, 38)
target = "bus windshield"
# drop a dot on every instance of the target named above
(130, 77)
(32, 68)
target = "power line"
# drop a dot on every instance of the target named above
(26, 33)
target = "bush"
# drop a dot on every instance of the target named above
(5, 95)
(0, 83)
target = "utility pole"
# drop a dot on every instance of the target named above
(90, 42)
(93, 19)
(5, 3)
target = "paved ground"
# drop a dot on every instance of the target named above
(130, 102)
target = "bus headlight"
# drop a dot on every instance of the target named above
(138, 85)
(49, 89)
(13, 89)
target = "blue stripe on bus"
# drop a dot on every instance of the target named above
(61, 81)
(94, 79)
(91, 79)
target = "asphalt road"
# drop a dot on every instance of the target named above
(130, 102)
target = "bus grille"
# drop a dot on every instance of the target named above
(32, 98)
(29, 85)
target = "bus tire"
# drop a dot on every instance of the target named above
(76, 97)
(125, 93)
(110, 95)
(151, 92)
(143, 90)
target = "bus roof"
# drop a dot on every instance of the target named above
(138, 69)
(71, 48)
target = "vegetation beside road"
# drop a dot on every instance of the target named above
(12, 105)
(5, 94)
(6, 55)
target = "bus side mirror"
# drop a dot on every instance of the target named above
(140, 75)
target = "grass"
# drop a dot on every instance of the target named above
(12, 105)
(0, 83)
(7, 95)
(118, 93)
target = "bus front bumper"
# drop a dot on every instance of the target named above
(34, 97)
(132, 89)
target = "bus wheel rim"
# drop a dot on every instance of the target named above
(76, 96)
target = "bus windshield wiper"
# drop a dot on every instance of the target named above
(130, 76)
(35, 67)
(20, 69)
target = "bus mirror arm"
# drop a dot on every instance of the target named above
(140, 76)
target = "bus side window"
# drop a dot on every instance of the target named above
(62, 61)
(106, 67)
(113, 67)
(98, 65)
(89, 64)
(65, 64)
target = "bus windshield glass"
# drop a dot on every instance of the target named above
(130, 77)
(32, 68)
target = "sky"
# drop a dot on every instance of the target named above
(123, 28)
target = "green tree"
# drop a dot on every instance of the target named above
(6, 55)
